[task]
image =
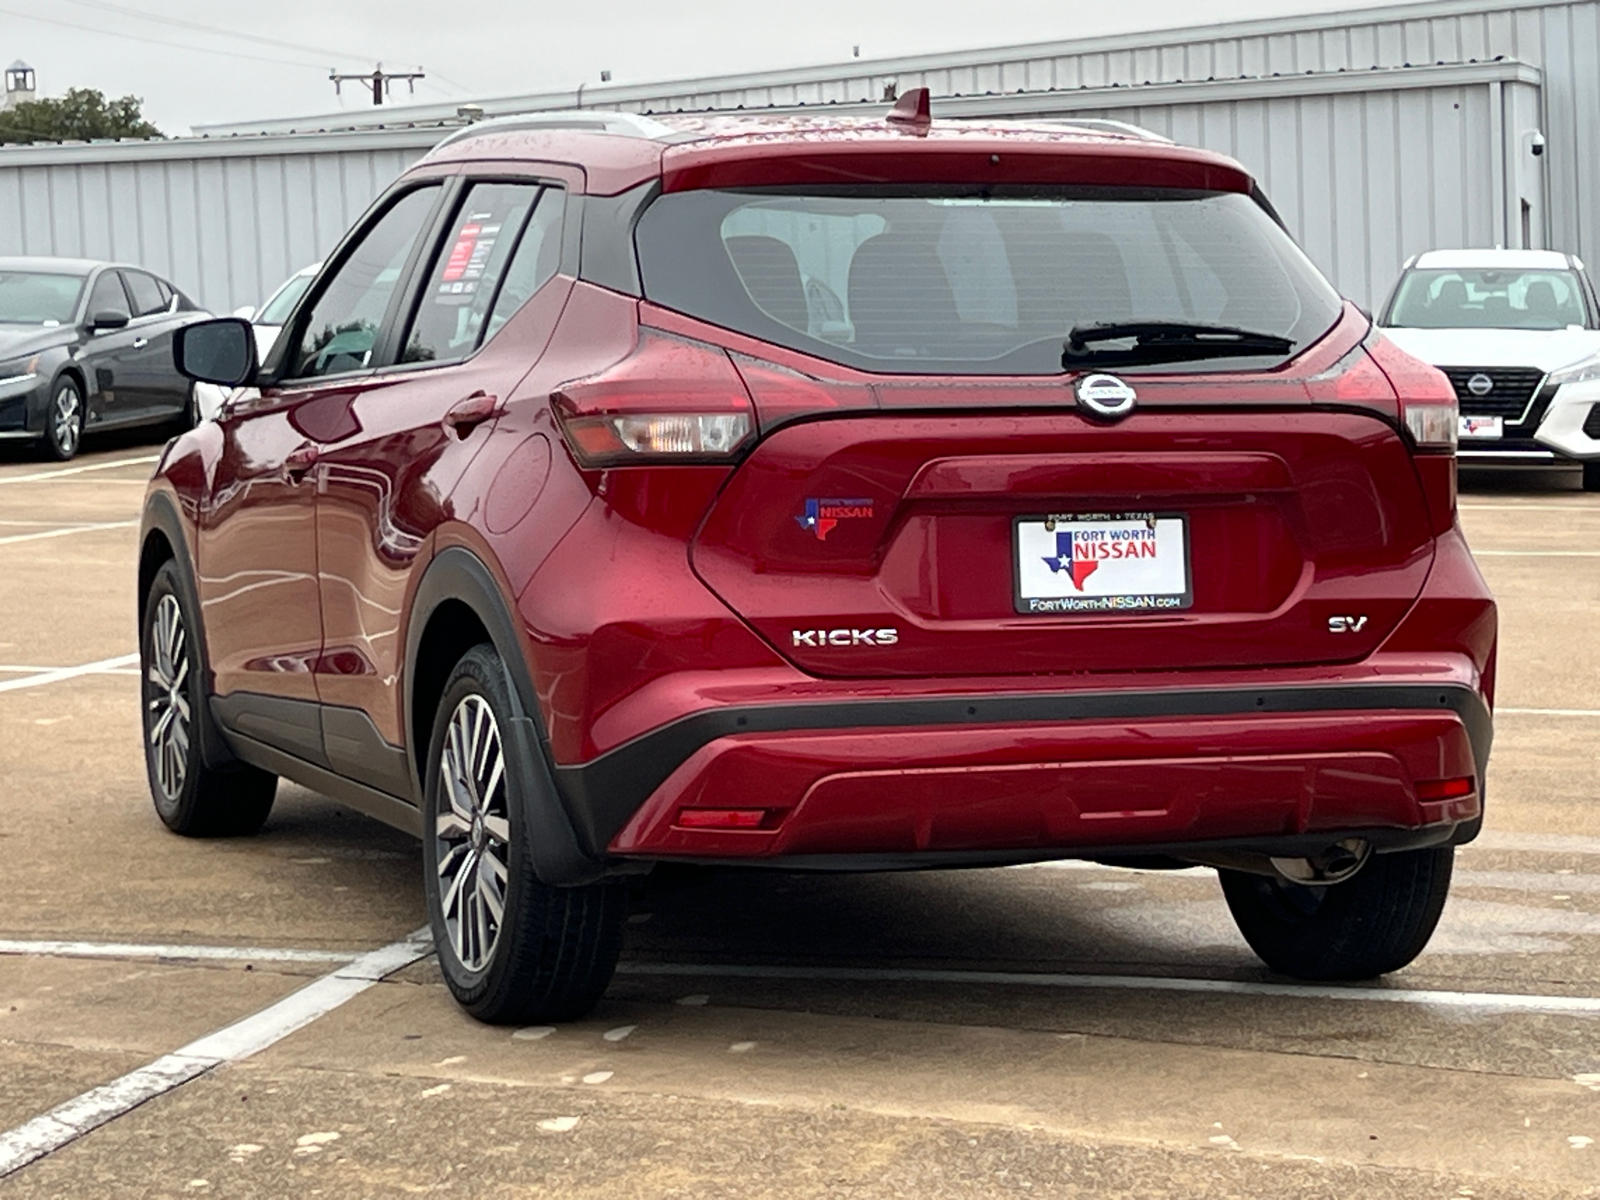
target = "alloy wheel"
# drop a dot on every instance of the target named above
(167, 717)
(473, 833)
(66, 416)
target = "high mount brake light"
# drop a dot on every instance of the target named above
(672, 400)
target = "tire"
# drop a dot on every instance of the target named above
(191, 798)
(1591, 476)
(63, 420)
(1373, 923)
(549, 952)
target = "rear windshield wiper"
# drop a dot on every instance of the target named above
(1164, 342)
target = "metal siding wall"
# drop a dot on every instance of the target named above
(226, 230)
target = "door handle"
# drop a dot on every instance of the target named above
(299, 461)
(466, 415)
(140, 343)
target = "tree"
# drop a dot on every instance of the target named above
(82, 115)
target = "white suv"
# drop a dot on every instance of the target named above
(1518, 333)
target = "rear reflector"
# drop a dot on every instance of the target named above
(1446, 789)
(721, 818)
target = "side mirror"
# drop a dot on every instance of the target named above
(220, 351)
(102, 321)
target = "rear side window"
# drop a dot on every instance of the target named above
(491, 262)
(146, 293)
(1488, 299)
(948, 280)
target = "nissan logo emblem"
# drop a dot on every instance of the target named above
(1105, 397)
(1480, 384)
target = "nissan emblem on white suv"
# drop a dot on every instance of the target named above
(1105, 397)
(1480, 384)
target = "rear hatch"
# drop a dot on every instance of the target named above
(836, 531)
(930, 494)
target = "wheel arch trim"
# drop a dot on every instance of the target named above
(456, 575)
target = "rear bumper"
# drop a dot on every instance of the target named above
(922, 780)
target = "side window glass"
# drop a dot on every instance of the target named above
(343, 327)
(534, 262)
(108, 296)
(462, 281)
(145, 292)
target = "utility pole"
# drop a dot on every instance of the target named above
(378, 81)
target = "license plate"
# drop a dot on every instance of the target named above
(1101, 563)
(1483, 427)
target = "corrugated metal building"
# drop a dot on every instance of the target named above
(1378, 133)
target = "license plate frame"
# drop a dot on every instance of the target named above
(1061, 592)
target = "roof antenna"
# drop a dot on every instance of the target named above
(912, 111)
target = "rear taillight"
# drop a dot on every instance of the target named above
(1432, 426)
(673, 400)
(1427, 401)
(1432, 418)
(1381, 376)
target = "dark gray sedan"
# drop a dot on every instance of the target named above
(86, 346)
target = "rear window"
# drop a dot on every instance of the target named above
(955, 281)
(1487, 299)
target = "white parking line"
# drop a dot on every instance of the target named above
(12, 539)
(1547, 712)
(1481, 1001)
(43, 476)
(1529, 508)
(104, 666)
(1536, 554)
(70, 1121)
(139, 950)
(1538, 843)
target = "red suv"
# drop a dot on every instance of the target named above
(827, 494)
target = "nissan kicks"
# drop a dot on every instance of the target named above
(835, 493)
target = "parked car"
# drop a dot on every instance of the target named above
(1518, 334)
(86, 346)
(1071, 514)
(267, 321)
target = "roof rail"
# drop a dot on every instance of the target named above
(590, 120)
(1106, 125)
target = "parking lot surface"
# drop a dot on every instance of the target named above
(1057, 1030)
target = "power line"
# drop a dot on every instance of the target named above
(201, 27)
(135, 37)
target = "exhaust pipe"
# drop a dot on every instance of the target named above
(1333, 864)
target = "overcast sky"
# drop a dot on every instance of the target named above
(201, 61)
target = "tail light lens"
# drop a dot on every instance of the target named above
(1426, 397)
(672, 400)
(1381, 376)
(1433, 426)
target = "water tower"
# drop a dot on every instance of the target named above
(20, 85)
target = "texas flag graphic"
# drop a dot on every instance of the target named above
(1077, 568)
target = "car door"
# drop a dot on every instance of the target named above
(105, 353)
(150, 378)
(386, 485)
(258, 543)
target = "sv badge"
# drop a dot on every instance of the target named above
(1346, 624)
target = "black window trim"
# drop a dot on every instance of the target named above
(440, 237)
